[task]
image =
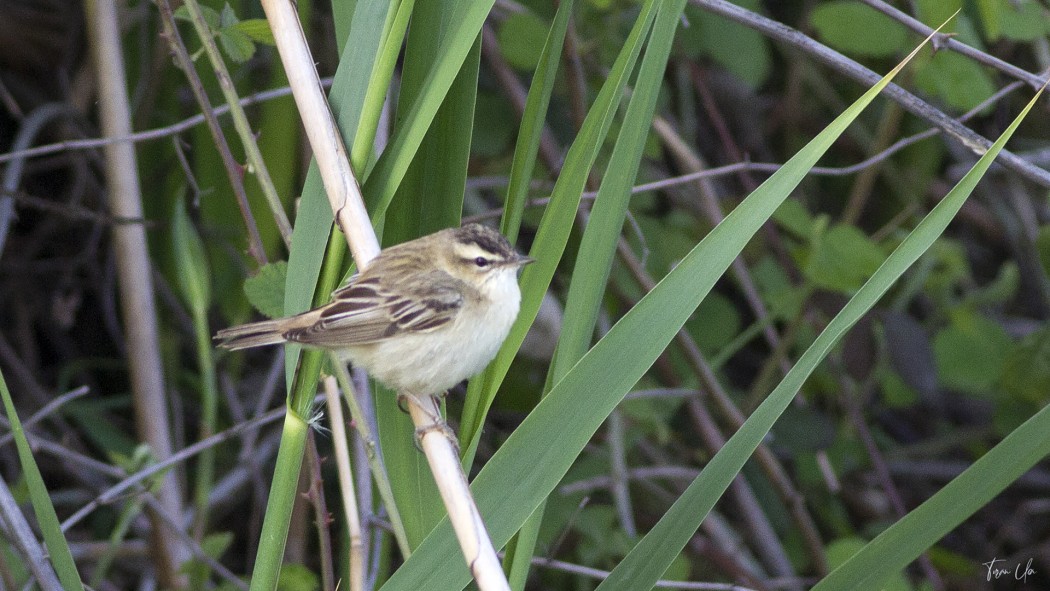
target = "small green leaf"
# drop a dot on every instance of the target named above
(1042, 246)
(795, 218)
(1026, 371)
(970, 353)
(265, 290)
(521, 38)
(296, 577)
(191, 263)
(990, 18)
(956, 79)
(742, 51)
(237, 45)
(211, 16)
(843, 258)
(257, 29)
(858, 29)
(1025, 21)
(228, 18)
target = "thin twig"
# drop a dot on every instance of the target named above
(347, 490)
(43, 413)
(230, 165)
(315, 494)
(948, 41)
(375, 460)
(151, 134)
(21, 537)
(913, 104)
(240, 121)
(119, 488)
(597, 573)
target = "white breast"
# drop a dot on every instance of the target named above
(431, 363)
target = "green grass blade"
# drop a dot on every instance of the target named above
(902, 543)
(57, 548)
(598, 246)
(646, 563)
(274, 533)
(537, 455)
(553, 232)
(465, 19)
(532, 121)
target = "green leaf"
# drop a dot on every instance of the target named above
(854, 28)
(211, 16)
(553, 233)
(227, 18)
(1026, 371)
(1024, 21)
(970, 352)
(296, 577)
(740, 50)
(521, 38)
(842, 259)
(466, 19)
(955, 79)
(265, 290)
(257, 29)
(236, 45)
(532, 123)
(191, 263)
(840, 550)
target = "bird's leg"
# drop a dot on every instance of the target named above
(437, 422)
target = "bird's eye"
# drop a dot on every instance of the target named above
(481, 262)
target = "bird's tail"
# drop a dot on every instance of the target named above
(255, 334)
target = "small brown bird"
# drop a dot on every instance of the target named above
(424, 316)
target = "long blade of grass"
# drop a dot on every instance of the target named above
(902, 542)
(536, 456)
(598, 246)
(532, 121)
(465, 19)
(553, 232)
(57, 548)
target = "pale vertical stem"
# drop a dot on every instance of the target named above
(344, 192)
(134, 275)
(346, 484)
(344, 195)
(375, 462)
(455, 492)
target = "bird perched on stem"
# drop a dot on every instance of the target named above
(424, 316)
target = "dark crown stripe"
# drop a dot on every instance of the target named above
(485, 238)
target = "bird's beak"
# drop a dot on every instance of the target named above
(522, 260)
